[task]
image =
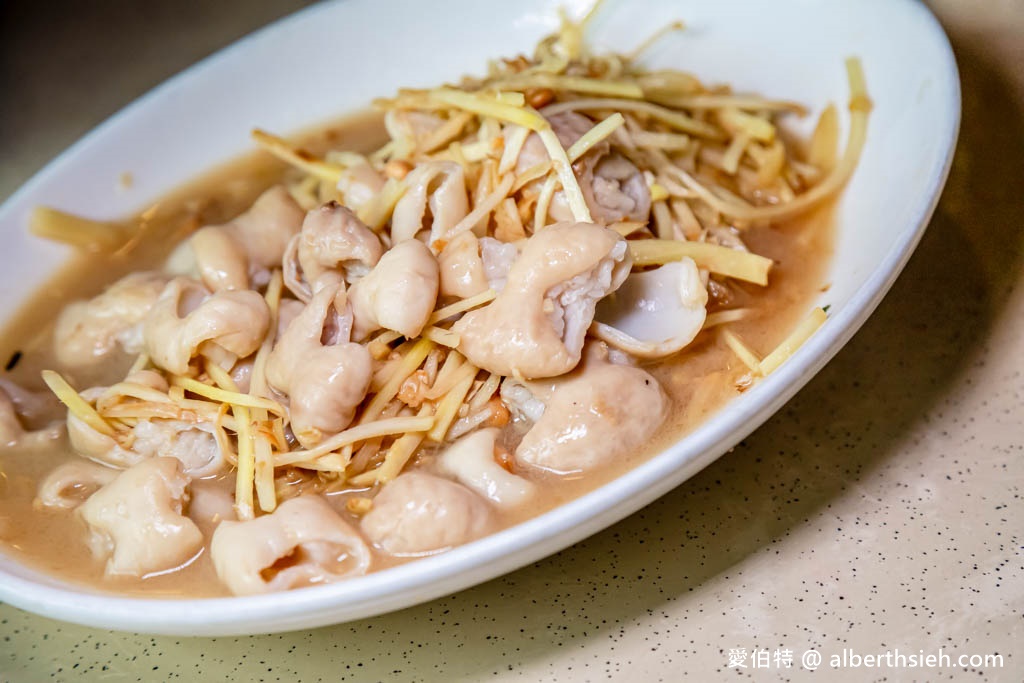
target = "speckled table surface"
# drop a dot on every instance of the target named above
(879, 510)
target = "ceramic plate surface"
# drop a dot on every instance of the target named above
(334, 58)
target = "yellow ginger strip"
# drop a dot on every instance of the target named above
(516, 99)
(563, 169)
(299, 158)
(595, 135)
(627, 228)
(734, 153)
(529, 175)
(332, 462)
(747, 102)
(376, 212)
(725, 317)
(452, 363)
(235, 398)
(663, 223)
(658, 192)
(445, 382)
(446, 132)
(742, 351)
(794, 341)
(741, 265)
(490, 106)
(83, 233)
(667, 116)
(448, 408)
(540, 212)
(514, 141)
(483, 208)
(755, 127)
(370, 430)
(485, 392)
(462, 306)
(397, 456)
(409, 364)
(143, 410)
(113, 395)
(258, 383)
(78, 406)
(579, 84)
(263, 476)
(650, 40)
(824, 140)
(442, 336)
(670, 142)
(248, 449)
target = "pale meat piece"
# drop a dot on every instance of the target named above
(359, 183)
(137, 522)
(438, 187)
(193, 445)
(88, 331)
(536, 326)
(244, 250)
(655, 313)
(471, 461)
(186, 318)
(600, 412)
(70, 484)
(398, 294)
(324, 375)
(420, 514)
(94, 445)
(333, 238)
(303, 542)
(470, 265)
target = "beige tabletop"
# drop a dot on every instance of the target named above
(880, 510)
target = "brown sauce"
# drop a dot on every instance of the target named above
(700, 380)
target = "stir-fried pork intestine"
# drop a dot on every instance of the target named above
(598, 412)
(359, 183)
(419, 514)
(136, 520)
(192, 443)
(334, 238)
(398, 294)
(18, 407)
(88, 331)
(303, 542)
(536, 326)
(229, 256)
(471, 461)
(186, 318)
(209, 505)
(72, 483)
(470, 265)
(324, 374)
(410, 129)
(91, 444)
(654, 313)
(613, 187)
(436, 190)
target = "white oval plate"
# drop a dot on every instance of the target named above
(334, 58)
